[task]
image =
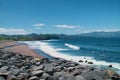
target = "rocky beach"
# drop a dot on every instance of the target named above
(19, 62)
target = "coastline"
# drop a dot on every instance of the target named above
(20, 67)
(12, 46)
(44, 68)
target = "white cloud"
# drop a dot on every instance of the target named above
(107, 30)
(12, 31)
(39, 25)
(100, 30)
(66, 26)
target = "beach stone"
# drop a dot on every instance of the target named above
(79, 78)
(76, 72)
(52, 78)
(22, 76)
(90, 62)
(14, 71)
(45, 60)
(71, 69)
(86, 61)
(80, 60)
(2, 78)
(37, 73)
(58, 74)
(69, 65)
(11, 77)
(41, 67)
(67, 77)
(49, 68)
(58, 68)
(4, 74)
(5, 68)
(55, 64)
(42, 79)
(91, 69)
(110, 65)
(1, 65)
(38, 63)
(45, 76)
(93, 75)
(33, 78)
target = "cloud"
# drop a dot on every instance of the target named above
(100, 30)
(66, 26)
(108, 30)
(12, 31)
(39, 25)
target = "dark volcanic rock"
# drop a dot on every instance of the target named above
(21, 67)
(33, 78)
(90, 62)
(80, 60)
(37, 73)
(79, 78)
(110, 65)
(67, 77)
(2, 78)
(49, 68)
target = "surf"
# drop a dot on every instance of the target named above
(72, 46)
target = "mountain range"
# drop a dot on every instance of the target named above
(101, 34)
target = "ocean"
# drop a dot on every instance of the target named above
(101, 51)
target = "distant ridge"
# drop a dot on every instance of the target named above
(101, 34)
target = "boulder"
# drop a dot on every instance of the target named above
(58, 68)
(70, 69)
(49, 68)
(37, 73)
(110, 66)
(14, 71)
(79, 78)
(90, 62)
(80, 60)
(94, 75)
(52, 78)
(2, 78)
(5, 68)
(40, 67)
(67, 77)
(33, 78)
(11, 77)
(45, 76)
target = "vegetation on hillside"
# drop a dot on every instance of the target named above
(29, 37)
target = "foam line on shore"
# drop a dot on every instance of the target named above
(45, 47)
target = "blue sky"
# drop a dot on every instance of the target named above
(59, 16)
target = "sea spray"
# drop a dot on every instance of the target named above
(72, 46)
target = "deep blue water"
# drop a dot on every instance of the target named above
(105, 49)
(101, 51)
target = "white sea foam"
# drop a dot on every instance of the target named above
(61, 49)
(72, 46)
(45, 47)
(51, 40)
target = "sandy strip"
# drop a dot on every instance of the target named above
(6, 43)
(20, 49)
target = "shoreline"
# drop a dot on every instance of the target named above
(12, 46)
(25, 49)
(90, 62)
(20, 67)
